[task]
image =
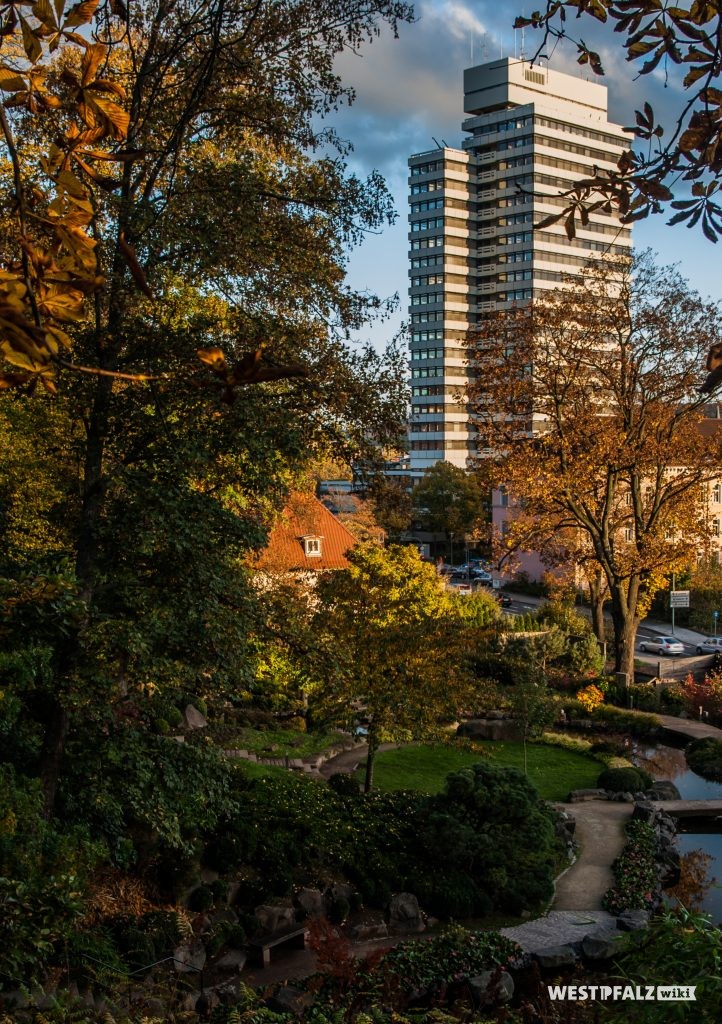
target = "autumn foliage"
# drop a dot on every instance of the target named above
(591, 697)
(685, 42)
(588, 413)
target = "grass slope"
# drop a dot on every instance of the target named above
(424, 768)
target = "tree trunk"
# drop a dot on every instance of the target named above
(373, 746)
(56, 733)
(625, 622)
(596, 600)
(58, 720)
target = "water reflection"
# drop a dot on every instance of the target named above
(695, 883)
(664, 762)
(701, 855)
(701, 850)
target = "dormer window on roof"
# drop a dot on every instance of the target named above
(312, 546)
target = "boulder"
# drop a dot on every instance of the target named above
(601, 945)
(310, 901)
(404, 914)
(274, 919)
(491, 988)
(189, 958)
(552, 957)
(663, 789)
(624, 798)
(225, 916)
(581, 795)
(499, 728)
(207, 1001)
(232, 895)
(225, 994)
(633, 920)
(644, 811)
(233, 961)
(193, 718)
(288, 999)
(340, 891)
(670, 867)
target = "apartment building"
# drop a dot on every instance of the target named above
(531, 133)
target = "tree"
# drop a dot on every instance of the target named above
(678, 38)
(392, 504)
(589, 411)
(449, 500)
(393, 638)
(174, 261)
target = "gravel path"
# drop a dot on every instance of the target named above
(348, 761)
(600, 833)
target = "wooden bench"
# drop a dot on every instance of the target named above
(260, 947)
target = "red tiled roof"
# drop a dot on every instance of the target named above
(305, 516)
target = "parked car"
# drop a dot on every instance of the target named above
(461, 586)
(503, 599)
(710, 645)
(662, 645)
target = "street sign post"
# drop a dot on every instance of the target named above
(678, 599)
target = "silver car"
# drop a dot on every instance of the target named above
(662, 645)
(710, 645)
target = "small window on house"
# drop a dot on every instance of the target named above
(312, 547)
(629, 533)
(717, 493)
(503, 497)
(715, 527)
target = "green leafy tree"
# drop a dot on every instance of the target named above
(449, 500)
(392, 643)
(391, 500)
(206, 357)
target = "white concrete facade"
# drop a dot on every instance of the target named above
(532, 132)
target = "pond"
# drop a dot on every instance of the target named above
(669, 763)
(665, 762)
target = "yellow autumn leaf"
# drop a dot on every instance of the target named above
(10, 81)
(81, 13)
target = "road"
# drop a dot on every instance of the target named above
(678, 665)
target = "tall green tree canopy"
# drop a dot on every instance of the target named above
(449, 500)
(174, 253)
(394, 646)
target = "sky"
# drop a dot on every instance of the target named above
(409, 91)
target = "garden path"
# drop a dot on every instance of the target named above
(348, 761)
(689, 728)
(600, 834)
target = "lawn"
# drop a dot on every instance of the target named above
(424, 768)
(283, 742)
